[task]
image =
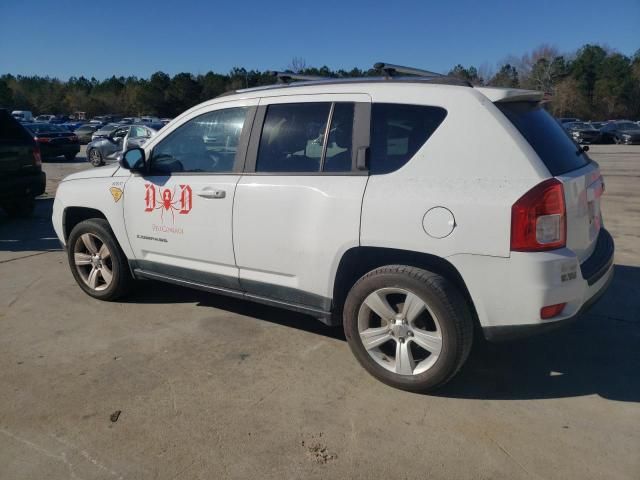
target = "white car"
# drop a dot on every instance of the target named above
(412, 210)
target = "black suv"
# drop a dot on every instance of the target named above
(21, 175)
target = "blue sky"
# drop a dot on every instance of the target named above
(100, 38)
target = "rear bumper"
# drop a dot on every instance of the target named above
(23, 186)
(508, 293)
(505, 333)
(48, 151)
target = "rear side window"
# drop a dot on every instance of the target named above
(549, 140)
(397, 133)
(293, 138)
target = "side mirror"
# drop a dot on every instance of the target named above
(134, 160)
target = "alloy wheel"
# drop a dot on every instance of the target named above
(399, 331)
(93, 262)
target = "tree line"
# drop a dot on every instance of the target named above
(592, 83)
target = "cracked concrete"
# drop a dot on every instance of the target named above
(211, 387)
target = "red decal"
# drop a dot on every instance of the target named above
(185, 199)
(149, 197)
(169, 201)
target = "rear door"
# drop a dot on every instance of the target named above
(583, 184)
(298, 205)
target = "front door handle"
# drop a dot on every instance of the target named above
(212, 193)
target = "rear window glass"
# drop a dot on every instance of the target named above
(549, 140)
(11, 131)
(398, 131)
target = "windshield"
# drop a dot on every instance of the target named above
(627, 126)
(549, 140)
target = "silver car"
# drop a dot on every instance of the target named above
(110, 148)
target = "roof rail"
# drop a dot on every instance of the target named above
(390, 70)
(288, 77)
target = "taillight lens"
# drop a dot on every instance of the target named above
(551, 311)
(539, 219)
(37, 158)
(42, 139)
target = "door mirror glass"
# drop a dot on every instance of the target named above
(134, 160)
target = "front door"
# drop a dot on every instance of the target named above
(179, 216)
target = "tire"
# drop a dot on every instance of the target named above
(107, 277)
(21, 208)
(616, 140)
(70, 156)
(95, 157)
(436, 312)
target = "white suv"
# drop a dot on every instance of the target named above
(412, 210)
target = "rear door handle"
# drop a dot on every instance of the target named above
(212, 193)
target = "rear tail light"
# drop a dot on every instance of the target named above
(539, 219)
(42, 140)
(73, 138)
(37, 158)
(551, 311)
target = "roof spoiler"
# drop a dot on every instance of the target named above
(504, 95)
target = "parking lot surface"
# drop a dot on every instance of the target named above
(175, 383)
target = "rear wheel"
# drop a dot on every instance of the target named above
(97, 262)
(408, 327)
(95, 157)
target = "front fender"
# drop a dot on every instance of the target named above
(102, 194)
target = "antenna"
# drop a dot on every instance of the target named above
(390, 70)
(287, 77)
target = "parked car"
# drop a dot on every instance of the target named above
(105, 130)
(21, 175)
(73, 125)
(22, 115)
(45, 118)
(568, 119)
(85, 132)
(582, 132)
(621, 131)
(54, 140)
(110, 148)
(164, 121)
(597, 125)
(358, 202)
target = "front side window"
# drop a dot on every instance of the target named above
(293, 138)
(207, 143)
(398, 131)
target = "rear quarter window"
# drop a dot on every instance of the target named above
(397, 133)
(549, 140)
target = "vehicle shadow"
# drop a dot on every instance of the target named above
(598, 354)
(34, 233)
(159, 293)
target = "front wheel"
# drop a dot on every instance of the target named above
(408, 327)
(95, 157)
(98, 264)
